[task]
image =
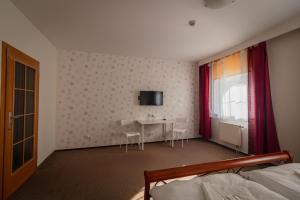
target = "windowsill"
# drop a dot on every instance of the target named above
(229, 121)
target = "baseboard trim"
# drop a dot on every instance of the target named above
(42, 161)
(115, 145)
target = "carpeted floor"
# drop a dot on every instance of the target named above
(108, 173)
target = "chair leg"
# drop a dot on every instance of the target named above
(126, 143)
(174, 138)
(139, 142)
(182, 143)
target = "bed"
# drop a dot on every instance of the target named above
(225, 185)
(284, 179)
(214, 187)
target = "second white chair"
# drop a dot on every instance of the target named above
(180, 129)
(130, 134)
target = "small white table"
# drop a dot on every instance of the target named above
(156, 121)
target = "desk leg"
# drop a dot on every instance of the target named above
(172, 134)
(143, 128)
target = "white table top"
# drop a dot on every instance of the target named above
(155, 121)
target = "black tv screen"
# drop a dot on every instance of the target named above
(151, 98)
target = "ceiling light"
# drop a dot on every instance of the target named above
(216, 4)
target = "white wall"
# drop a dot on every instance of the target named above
(18, 31)
(284, 66)
(95, 91)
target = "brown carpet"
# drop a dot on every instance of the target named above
(108, 173)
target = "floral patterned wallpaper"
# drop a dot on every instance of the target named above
(95, 91)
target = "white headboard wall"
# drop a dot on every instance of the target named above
(94, 91)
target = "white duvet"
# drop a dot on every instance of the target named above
(283, 179)
(216, 191)
(216, 187)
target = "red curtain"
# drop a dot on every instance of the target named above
(205, 125)
(262, 130)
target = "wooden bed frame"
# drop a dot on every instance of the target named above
(205, 168)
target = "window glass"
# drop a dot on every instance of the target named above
(229, 85)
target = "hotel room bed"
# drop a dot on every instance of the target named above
(224, 185)
(214, 187)
(284, 179)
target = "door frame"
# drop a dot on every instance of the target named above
(3, 110)
(2, 115)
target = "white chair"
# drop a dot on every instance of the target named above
(180, 130)
(130, 134)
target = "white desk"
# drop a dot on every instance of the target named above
(156, 121)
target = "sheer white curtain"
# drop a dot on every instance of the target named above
(229, 85)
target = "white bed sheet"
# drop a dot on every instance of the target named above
(194, 190)
(283, 179)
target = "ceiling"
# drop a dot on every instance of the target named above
(154, 28)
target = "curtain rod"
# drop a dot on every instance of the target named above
(226, 56)
(239, 51)
(230, 54)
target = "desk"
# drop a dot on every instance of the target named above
(156, 121)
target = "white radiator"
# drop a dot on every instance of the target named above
(231, 133)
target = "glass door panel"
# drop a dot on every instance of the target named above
(28, 149)
(29, 125)
(19, 102)
(18, 131)
(30, 79)
(29, 102)
(17, 156)
(19, 75)
(24, 105)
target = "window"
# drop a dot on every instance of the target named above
(229, 81)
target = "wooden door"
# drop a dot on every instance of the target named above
(21, 118)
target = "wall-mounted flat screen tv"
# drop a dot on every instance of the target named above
(151, 98)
